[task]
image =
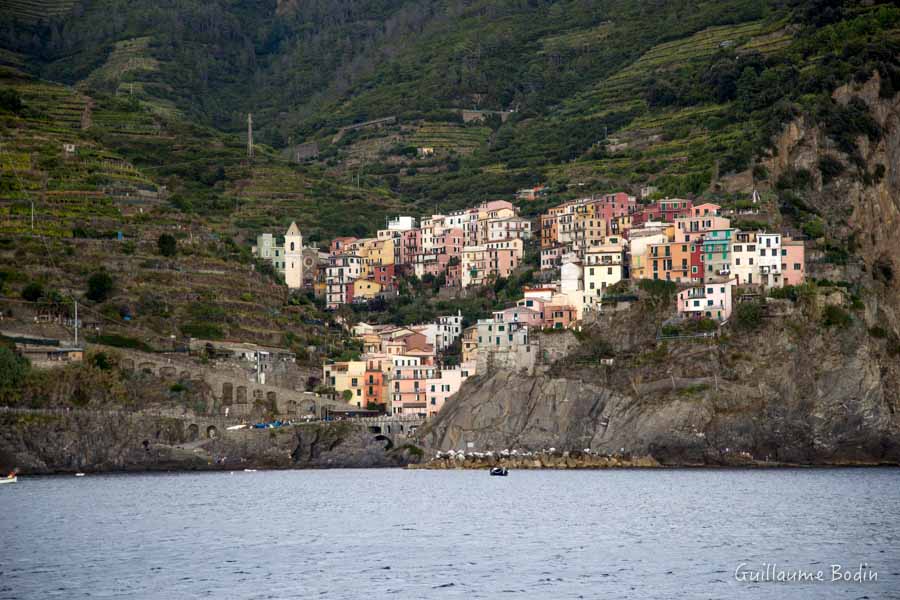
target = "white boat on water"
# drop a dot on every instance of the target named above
(79, 474)
(11, 479)
(249, 470)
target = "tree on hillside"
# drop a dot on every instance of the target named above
(13, 369)
(10, 100)
(168, 245)
(100, 286)
(33, 291)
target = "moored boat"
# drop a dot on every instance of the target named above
(10, 479)
(499, 471)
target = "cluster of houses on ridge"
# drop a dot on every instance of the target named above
(592, 244)
(599, 241)
(468, 247)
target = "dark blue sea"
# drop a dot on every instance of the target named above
(460, 534)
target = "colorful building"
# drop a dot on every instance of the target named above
(793, 261)
(710, 300)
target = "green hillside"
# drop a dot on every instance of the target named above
(130, 117)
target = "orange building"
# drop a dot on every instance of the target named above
(670, 261)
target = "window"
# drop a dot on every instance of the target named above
(737, 262)
(797, 266)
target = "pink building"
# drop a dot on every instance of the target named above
(410, 245)
(408, 396)
(520, 314)
(615, 205)
(438, 389)
(559, 316)
(793, 261)
(339, 245)
(705, 209)
(711, 300)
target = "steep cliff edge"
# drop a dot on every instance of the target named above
(853, 157)
(786, 394)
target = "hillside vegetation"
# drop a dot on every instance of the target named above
(583, 95)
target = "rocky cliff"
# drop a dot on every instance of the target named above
(817, 381)
(59, 441)
(860, 204)
(791, 392)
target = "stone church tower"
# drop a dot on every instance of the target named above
(293, 257)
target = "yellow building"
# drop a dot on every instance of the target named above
(366, 289)
(349, 375)
(589, 230)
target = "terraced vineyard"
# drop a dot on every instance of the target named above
(35, 10)
(629, 83)
(51, 162)
(444, 137)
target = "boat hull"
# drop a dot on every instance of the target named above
(8, 480)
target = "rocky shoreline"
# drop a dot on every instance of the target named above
(59, 442)
(567, 460)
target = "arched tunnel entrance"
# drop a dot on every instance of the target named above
(383, 438)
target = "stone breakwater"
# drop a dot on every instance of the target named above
(544, 459)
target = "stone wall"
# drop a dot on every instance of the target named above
(234, 393)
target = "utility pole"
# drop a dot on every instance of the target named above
(249, 135)
(76, 323)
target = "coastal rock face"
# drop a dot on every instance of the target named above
(70, 441)
(862, 205)
(794, 390)
(785, 395)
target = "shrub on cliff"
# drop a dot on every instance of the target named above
(835, 316)
(13, 370)
(748, 315)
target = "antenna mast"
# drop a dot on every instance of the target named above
(249, 135)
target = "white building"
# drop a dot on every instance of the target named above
(769, 248)
(342, 271)
(604, 266)
(449, 328)
(572, 284)
(401, 223)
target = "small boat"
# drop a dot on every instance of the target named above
(249, 470)
(499, 471)
(10, 479)
(79, 474)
